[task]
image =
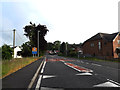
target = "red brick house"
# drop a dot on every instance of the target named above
(103, 45)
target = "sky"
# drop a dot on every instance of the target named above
(72, 21)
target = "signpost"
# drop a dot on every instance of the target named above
(34, 51)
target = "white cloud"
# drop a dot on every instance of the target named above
(81, 19)
(71, 21)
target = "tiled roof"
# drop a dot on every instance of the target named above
(104, 36)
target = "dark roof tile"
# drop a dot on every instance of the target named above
(104, 36)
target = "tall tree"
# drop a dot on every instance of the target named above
(50, 46)
(26, 49)
(62, 48)
(31, 31)
(57, 45)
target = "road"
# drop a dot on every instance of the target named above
(66, 73)
(60, 73)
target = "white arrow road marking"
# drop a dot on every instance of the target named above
(106, 84)
(48, 76)
(84, 73)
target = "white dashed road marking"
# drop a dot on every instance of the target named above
(48, 76)
(46, 88)
(84, 74)
(96, 64)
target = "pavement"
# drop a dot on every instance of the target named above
(60, 73)
(21, 78)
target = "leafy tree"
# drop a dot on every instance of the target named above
(50, 46)
(0, 53)
(26, 49)
(57, 45)
(72, 53)
(62, 48)
(6, 52)
(32, 31)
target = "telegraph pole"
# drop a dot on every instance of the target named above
(66, 48)
(38, 43)
(14, 38)
(13, 41)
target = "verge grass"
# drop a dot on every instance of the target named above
(10, 66)
(94, 59)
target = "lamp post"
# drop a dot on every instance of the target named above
(38, 43)
(66, 48)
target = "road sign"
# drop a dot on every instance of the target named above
(34, 50)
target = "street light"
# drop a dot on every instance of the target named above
(38, 43)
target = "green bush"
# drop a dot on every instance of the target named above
(72, 54)
(6, 52)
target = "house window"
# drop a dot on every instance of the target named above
(99, 45)
(118, 41)
(92, 44)
(105, 43)
(107, 54)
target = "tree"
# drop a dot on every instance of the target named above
(26, 49)
(50, 46)
(0, 53)
(62, 48)
(57, 45)
(6, 52)
(31, 31)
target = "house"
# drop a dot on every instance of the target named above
(103, 45)
(76, 47)
(16, 50)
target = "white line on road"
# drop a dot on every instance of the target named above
(40, 78)
(87, 63)
(106, 84)
(96, 64)
(47, 88)
(82, 62)
(43, 67)
(39, 82)
(36, 74)
(48, 76)
(113, 82)
(80, 70)
(86, 73)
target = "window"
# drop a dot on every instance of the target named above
(105, 43)
(107, 53)
(92, 44)
(118, 41)
(99, 45)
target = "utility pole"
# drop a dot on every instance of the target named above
(13, 41)
(14, 38)
(66, 48)
(38, 43)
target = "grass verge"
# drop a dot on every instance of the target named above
(93, 58)
(10, 66)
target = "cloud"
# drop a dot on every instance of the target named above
(67, 20)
